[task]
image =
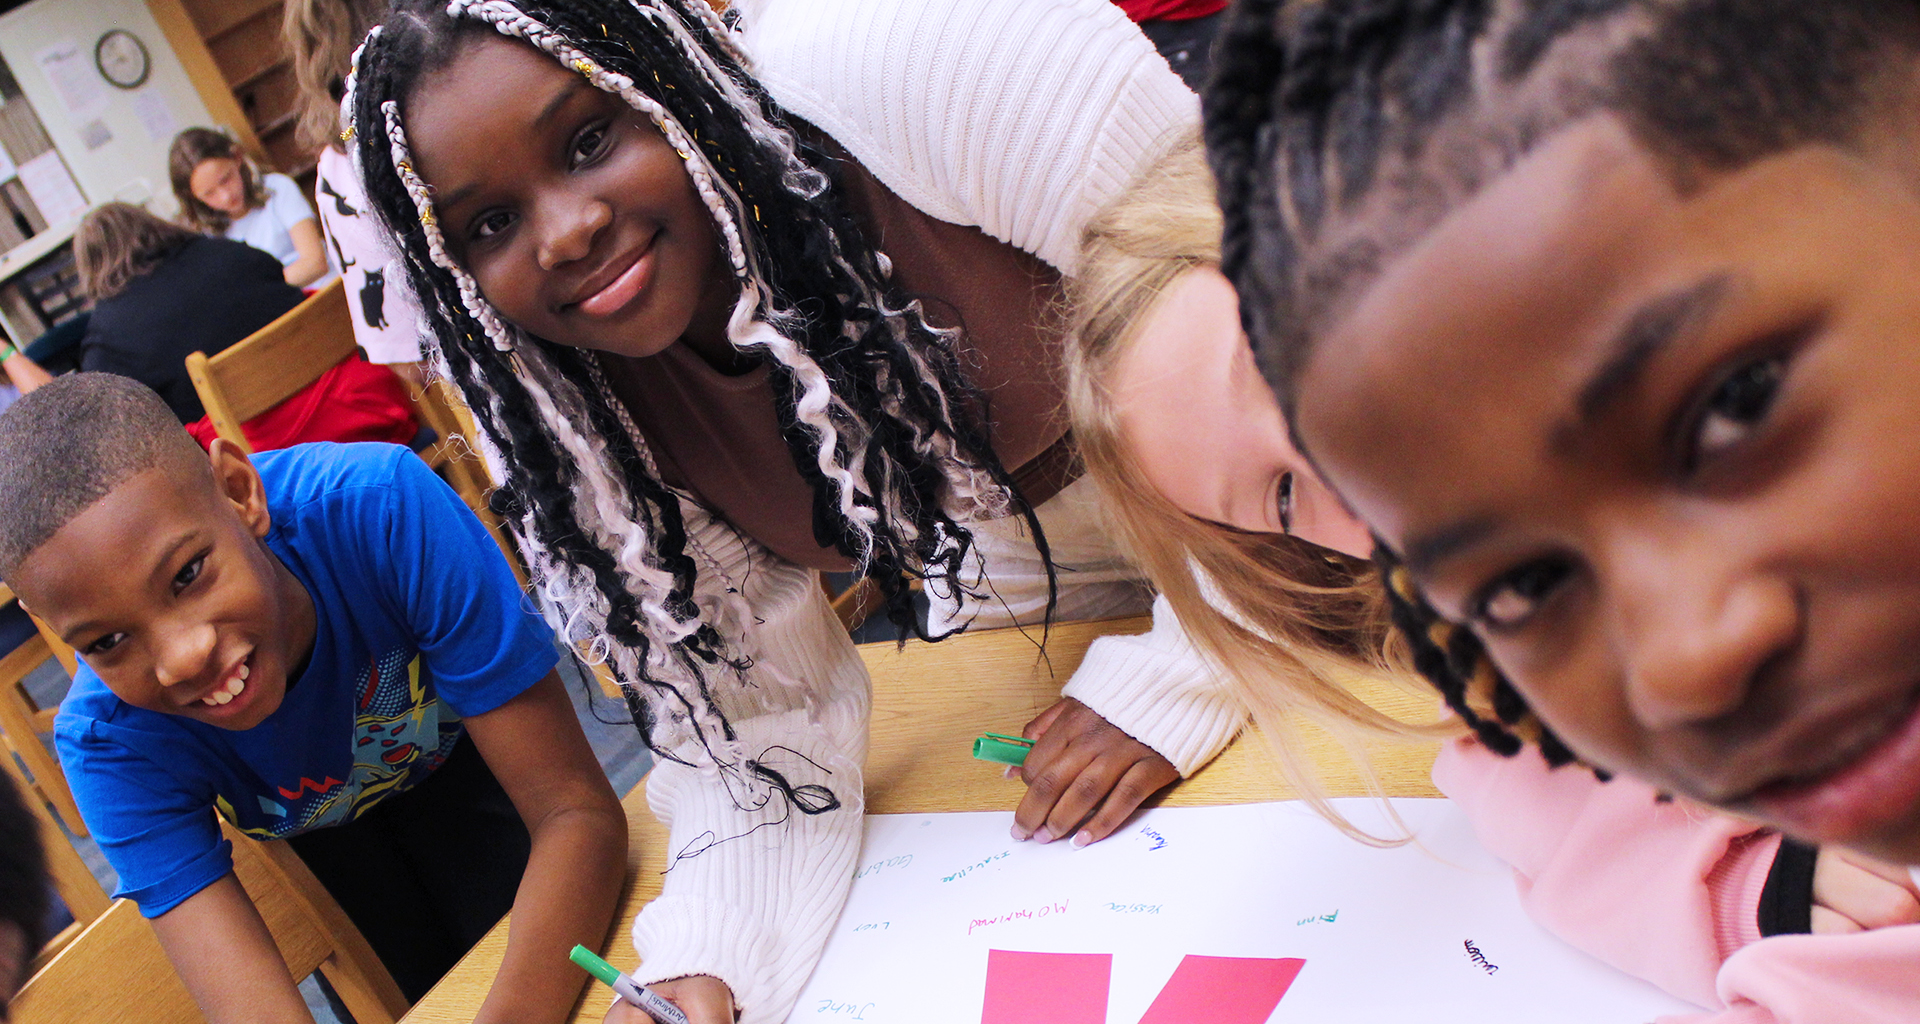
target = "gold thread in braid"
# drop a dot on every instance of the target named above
(1479, 689)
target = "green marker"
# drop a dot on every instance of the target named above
(650, 1002)
(1000, 749)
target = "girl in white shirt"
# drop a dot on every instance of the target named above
(221, 192)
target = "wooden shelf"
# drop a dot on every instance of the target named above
(258, 76)
(270, 9)
(278, 124)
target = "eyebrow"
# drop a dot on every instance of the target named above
(1428, 549)
(546, 115)
(1648, 332)
(167, 558)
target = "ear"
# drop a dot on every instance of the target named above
(239, 484)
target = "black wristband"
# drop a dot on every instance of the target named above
(1786, 901)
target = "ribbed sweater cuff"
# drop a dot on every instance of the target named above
(754, 909)
(1734, 886)
(1166, 698)
(680, 936)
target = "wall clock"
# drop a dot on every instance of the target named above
(122, 59)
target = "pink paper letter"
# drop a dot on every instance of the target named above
(1051, 988)
(1222, 990)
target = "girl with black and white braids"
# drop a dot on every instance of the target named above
(653, 273)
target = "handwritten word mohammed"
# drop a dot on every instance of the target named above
(1029, 914)
(881, 865)
(1479, 958)
(971, 868)
(1328, 918)
(1157, 839)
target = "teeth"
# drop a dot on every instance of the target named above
(236, 684)
(244, 670)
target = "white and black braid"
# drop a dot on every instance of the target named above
(879, 417)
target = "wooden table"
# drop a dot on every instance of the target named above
(929, 702)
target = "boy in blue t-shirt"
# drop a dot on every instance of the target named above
(323, 644)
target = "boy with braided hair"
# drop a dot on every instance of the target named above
(1599, 315)
(322, 644)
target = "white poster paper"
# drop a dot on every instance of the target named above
(154, 114)
(7, 169)
(1255, 914)
(70, 69)
(52, 188)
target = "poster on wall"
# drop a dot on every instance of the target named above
(154, 114)
(52, 188)
(70, 69)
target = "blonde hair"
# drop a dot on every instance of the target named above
(321, 36)
(1302, 618)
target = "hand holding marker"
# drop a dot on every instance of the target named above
(653, 1004)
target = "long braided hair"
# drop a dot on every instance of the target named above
(1340, 131)
(875, 409)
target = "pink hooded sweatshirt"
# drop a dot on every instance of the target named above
(1671, 893)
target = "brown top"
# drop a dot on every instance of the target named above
(718, 435)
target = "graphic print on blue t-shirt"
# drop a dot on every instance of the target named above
(419, 622)
(401, 734)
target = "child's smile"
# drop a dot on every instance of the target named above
(1659, 450)
(164, 588)
(570, 209)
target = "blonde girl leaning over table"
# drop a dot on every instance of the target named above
(1192, 454)
(649, 252)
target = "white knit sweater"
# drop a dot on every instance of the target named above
(1020, 117)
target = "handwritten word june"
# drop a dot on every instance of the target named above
(851, 1011)
(1158, 839)
(1134, 908)
(1029, 914)
(1328, 918)
(1474, 954)
(881, 865)
(971, 868)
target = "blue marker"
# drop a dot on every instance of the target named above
(654, 1005)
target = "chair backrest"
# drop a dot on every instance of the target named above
(268, 366)
(116, 970)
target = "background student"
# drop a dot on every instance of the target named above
(153, 285)
(24, 889)
(221, 192)
(321, 36)
(708, 318)
(1192, 454)
(323, 645)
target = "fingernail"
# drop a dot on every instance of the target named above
(1043, 837)
(1083, 839)
(1021, 835)
(1012, 772)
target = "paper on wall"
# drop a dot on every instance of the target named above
(1255, 914)
(52, 189)
(154, 114)
(70, 69)
(7, 169)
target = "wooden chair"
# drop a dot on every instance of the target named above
(22, 721)
(271, 364)
(116, 970)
